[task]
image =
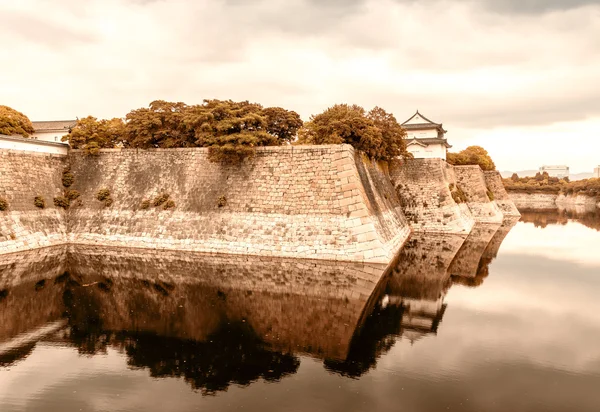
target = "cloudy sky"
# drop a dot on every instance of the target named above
(519, 77)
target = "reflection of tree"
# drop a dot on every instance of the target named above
(544, 218)
(232, 354)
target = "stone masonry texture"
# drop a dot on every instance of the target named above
(324, 202)
(315, 202)
(423, 187)
(23, 176)
(472, 182)
(493, 181)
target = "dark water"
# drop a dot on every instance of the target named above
(505, 320)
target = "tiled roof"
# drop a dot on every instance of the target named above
(423, 117)
(54, 125)
(421, 126)
(428, 140)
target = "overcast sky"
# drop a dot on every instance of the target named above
(519, 77)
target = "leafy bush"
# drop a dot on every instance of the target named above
(102, 194)
(553, 185)
(376, 133)
(490, 195)
(108, 201)
(160, 199)
(3, 204)
(61, 201)
(14, 122)
(472, 155)
(40, 202)
(222, 201)
(72, 194)
(91, 134)
(169, 204)
(67, 178)
(145, 204)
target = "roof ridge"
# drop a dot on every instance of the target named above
(423, 117)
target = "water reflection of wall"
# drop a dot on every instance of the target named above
(466, 263)
(414, 306)
(218, 320)
(31, 289)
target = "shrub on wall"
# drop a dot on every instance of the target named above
(61, 201)
(222, 201)
(145, 204)
(169, 204)
(40, 202)
(3, 204)
(490, 195)
(160, 199)
(102, 194)
(67, 178)
(72, 194)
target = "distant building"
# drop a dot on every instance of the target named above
(52, 131)
(21, 143)
(556, 171)
(424, 138)
(597, 172)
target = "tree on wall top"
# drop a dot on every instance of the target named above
(376, 133)
(472, 155)
(13, 122)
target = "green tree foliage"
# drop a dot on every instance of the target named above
(231, 130)
(376, 133)
(542, 183)
(160, 125)
(394, 143)
(472, 155)
(91, 134)
(514, 177)
(282, 123)
(13, 122)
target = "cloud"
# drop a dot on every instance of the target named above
(474, 66)
(37, 30)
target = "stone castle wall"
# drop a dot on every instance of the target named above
(472, 182)
(423, 187)
(324, 202)
(493, 181)
(23, 176)
(547, 201)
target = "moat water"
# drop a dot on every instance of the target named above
(506, 320)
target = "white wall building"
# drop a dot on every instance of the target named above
(52, 131)
(32, 145)
(597, 172)
(424, 138)
(559, 171)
